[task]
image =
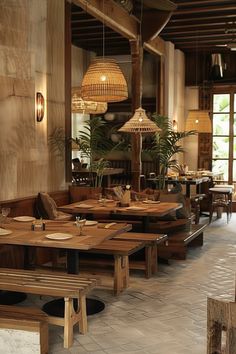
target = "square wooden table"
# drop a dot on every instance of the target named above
(141, 209)
(22, 235)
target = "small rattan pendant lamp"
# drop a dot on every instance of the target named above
(140, 123)
(104, 80)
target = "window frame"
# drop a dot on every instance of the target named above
(231, 90)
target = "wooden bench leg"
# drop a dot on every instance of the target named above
(83, 322)
(154, 259)
(198, 241)
(117, 275)
(148, 261)
(125, 268)
(121, 273)
(68, 323)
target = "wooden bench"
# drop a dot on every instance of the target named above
(178, 242)
(120, 250)
(149, 263)
(67, 286)
(15, 321)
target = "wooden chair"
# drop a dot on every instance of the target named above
(221, 198)
(221, 327)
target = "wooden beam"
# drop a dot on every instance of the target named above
(113, 15)
(155, 46)
(136, 141)
(68, 172)
(153, 22)
(201, 10)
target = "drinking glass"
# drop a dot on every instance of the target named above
(80, 224)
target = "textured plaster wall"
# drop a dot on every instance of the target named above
(31, 60)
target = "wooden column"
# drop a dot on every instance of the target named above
(161, 86)
(68, 172)
(136, 141)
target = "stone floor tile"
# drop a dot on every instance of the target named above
(166, 313)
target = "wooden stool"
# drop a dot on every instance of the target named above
(221, 198)
(221, 327)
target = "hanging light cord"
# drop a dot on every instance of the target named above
(103, 32)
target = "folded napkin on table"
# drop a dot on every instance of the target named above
(112, 225)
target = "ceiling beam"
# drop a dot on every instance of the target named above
(112, 15)
(226, 7)
(196, 27)
(206, 2)
(153, 22)
(226, 17)
(155, 46)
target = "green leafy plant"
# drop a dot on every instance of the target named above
(166, 146)
(93, 142)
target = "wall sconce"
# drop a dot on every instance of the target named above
(39, 106)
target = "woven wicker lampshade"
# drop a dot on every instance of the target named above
(139, 123)
(198, 120)
(104, 82)
(78, 105)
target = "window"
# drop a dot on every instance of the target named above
(224, 135)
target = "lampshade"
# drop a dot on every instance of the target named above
(78, 105)
(198, 120)
(104, 82)
(139, 123)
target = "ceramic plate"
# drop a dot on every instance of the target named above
(84, 206)
(151, 201)
(59, 236)
(136, 208)
(24, 218)
(5, 232)
(90, 222)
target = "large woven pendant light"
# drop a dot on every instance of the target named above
(104, 82)
(139, 123)
(78, 105)
(198, 120)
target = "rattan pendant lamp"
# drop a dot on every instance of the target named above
(78, 105)
(104, 80)
(140, 123)
(198, 120)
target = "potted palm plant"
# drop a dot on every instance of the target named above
(93, 142)
(165, 146)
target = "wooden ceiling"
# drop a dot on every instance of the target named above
(203, 25)
(87, 33)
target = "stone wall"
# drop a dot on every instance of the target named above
(31, 60)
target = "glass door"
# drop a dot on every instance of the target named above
(224, 136)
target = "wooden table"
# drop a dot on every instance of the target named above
(188, 182)
(22, 235)
(111, 208)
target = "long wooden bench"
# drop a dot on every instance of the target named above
(67, 286)
(151, 241)
(120, 251)
(178, 243)
(15, 321)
